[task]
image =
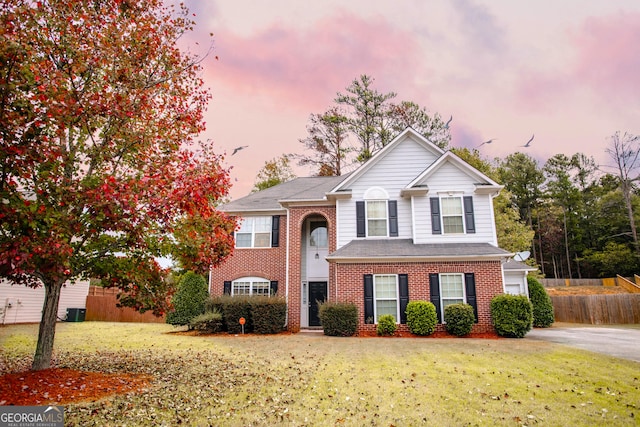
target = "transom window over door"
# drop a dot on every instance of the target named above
(452, 215)
(255, 232)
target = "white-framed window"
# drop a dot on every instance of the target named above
(513, 289)
(385, 295)
(251, 286)
(451, 289)
(254, 232)
(452, 215)
(377, 218)
(377, 214)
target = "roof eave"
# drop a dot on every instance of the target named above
(420, 258)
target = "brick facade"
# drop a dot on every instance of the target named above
(488, 277)
(346, 280)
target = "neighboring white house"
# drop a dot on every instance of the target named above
(20, 304)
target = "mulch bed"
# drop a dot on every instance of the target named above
(59, 386)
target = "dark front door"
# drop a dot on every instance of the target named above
(317, 293)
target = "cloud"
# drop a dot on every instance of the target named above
(603, 64)
(308, 67)
(607, 58)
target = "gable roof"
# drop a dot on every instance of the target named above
(307, 189)
(404, 250)
(482, 181)
(408, 132)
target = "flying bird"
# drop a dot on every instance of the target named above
(446, 125)
(235, 150)
(529, 141)
(487, 142)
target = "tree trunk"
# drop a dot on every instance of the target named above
(566, 241)
(47, 331)
(626, 192)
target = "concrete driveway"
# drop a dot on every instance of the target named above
(619, 342)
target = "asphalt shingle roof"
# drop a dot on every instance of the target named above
(405, 248)
(306, 188)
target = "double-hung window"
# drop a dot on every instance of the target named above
(385, 290)
(451, 289)
(377, 218)
(254, 232)
(452, 215)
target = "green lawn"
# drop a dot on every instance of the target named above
(311, 380)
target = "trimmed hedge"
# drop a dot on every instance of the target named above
(188, 301)
(386, 325)
(268, 314)
(338, 319)
(512, 315)
(209, 322)
(459, 319)
(421, 317)
(543, 315)
(262, 314)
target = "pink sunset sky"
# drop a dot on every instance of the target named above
(568, 71)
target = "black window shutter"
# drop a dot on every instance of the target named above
(470, 288)
(273, 287)
(368, 299)
(435, 216)
(275, 231)
(227, 287)
(469, 220)
(393, 218)
(403, 284)
(434, 291)
(360, 219)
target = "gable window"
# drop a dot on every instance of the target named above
(251, 286)
(385, 294)
(452, 219)
(254, 232)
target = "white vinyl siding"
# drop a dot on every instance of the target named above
(254, 232)
(20, 304)
(393, 172)
(448, 178)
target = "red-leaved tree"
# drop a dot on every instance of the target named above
(100, 173)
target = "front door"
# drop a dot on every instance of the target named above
(317, 294)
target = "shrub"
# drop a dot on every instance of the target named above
(268, 314)
(459, 319)
(386, 325)
(338, 319)
(512, 315)
(233, 308)
(188, 301)
(542, 306)
(421, 317)
(208, 322)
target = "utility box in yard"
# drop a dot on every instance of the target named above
(76, 314)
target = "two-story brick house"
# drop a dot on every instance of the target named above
(412, 223)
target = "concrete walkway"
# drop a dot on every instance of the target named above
(619, 342)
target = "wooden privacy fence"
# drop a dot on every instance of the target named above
(101, 306)
(597, 309)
